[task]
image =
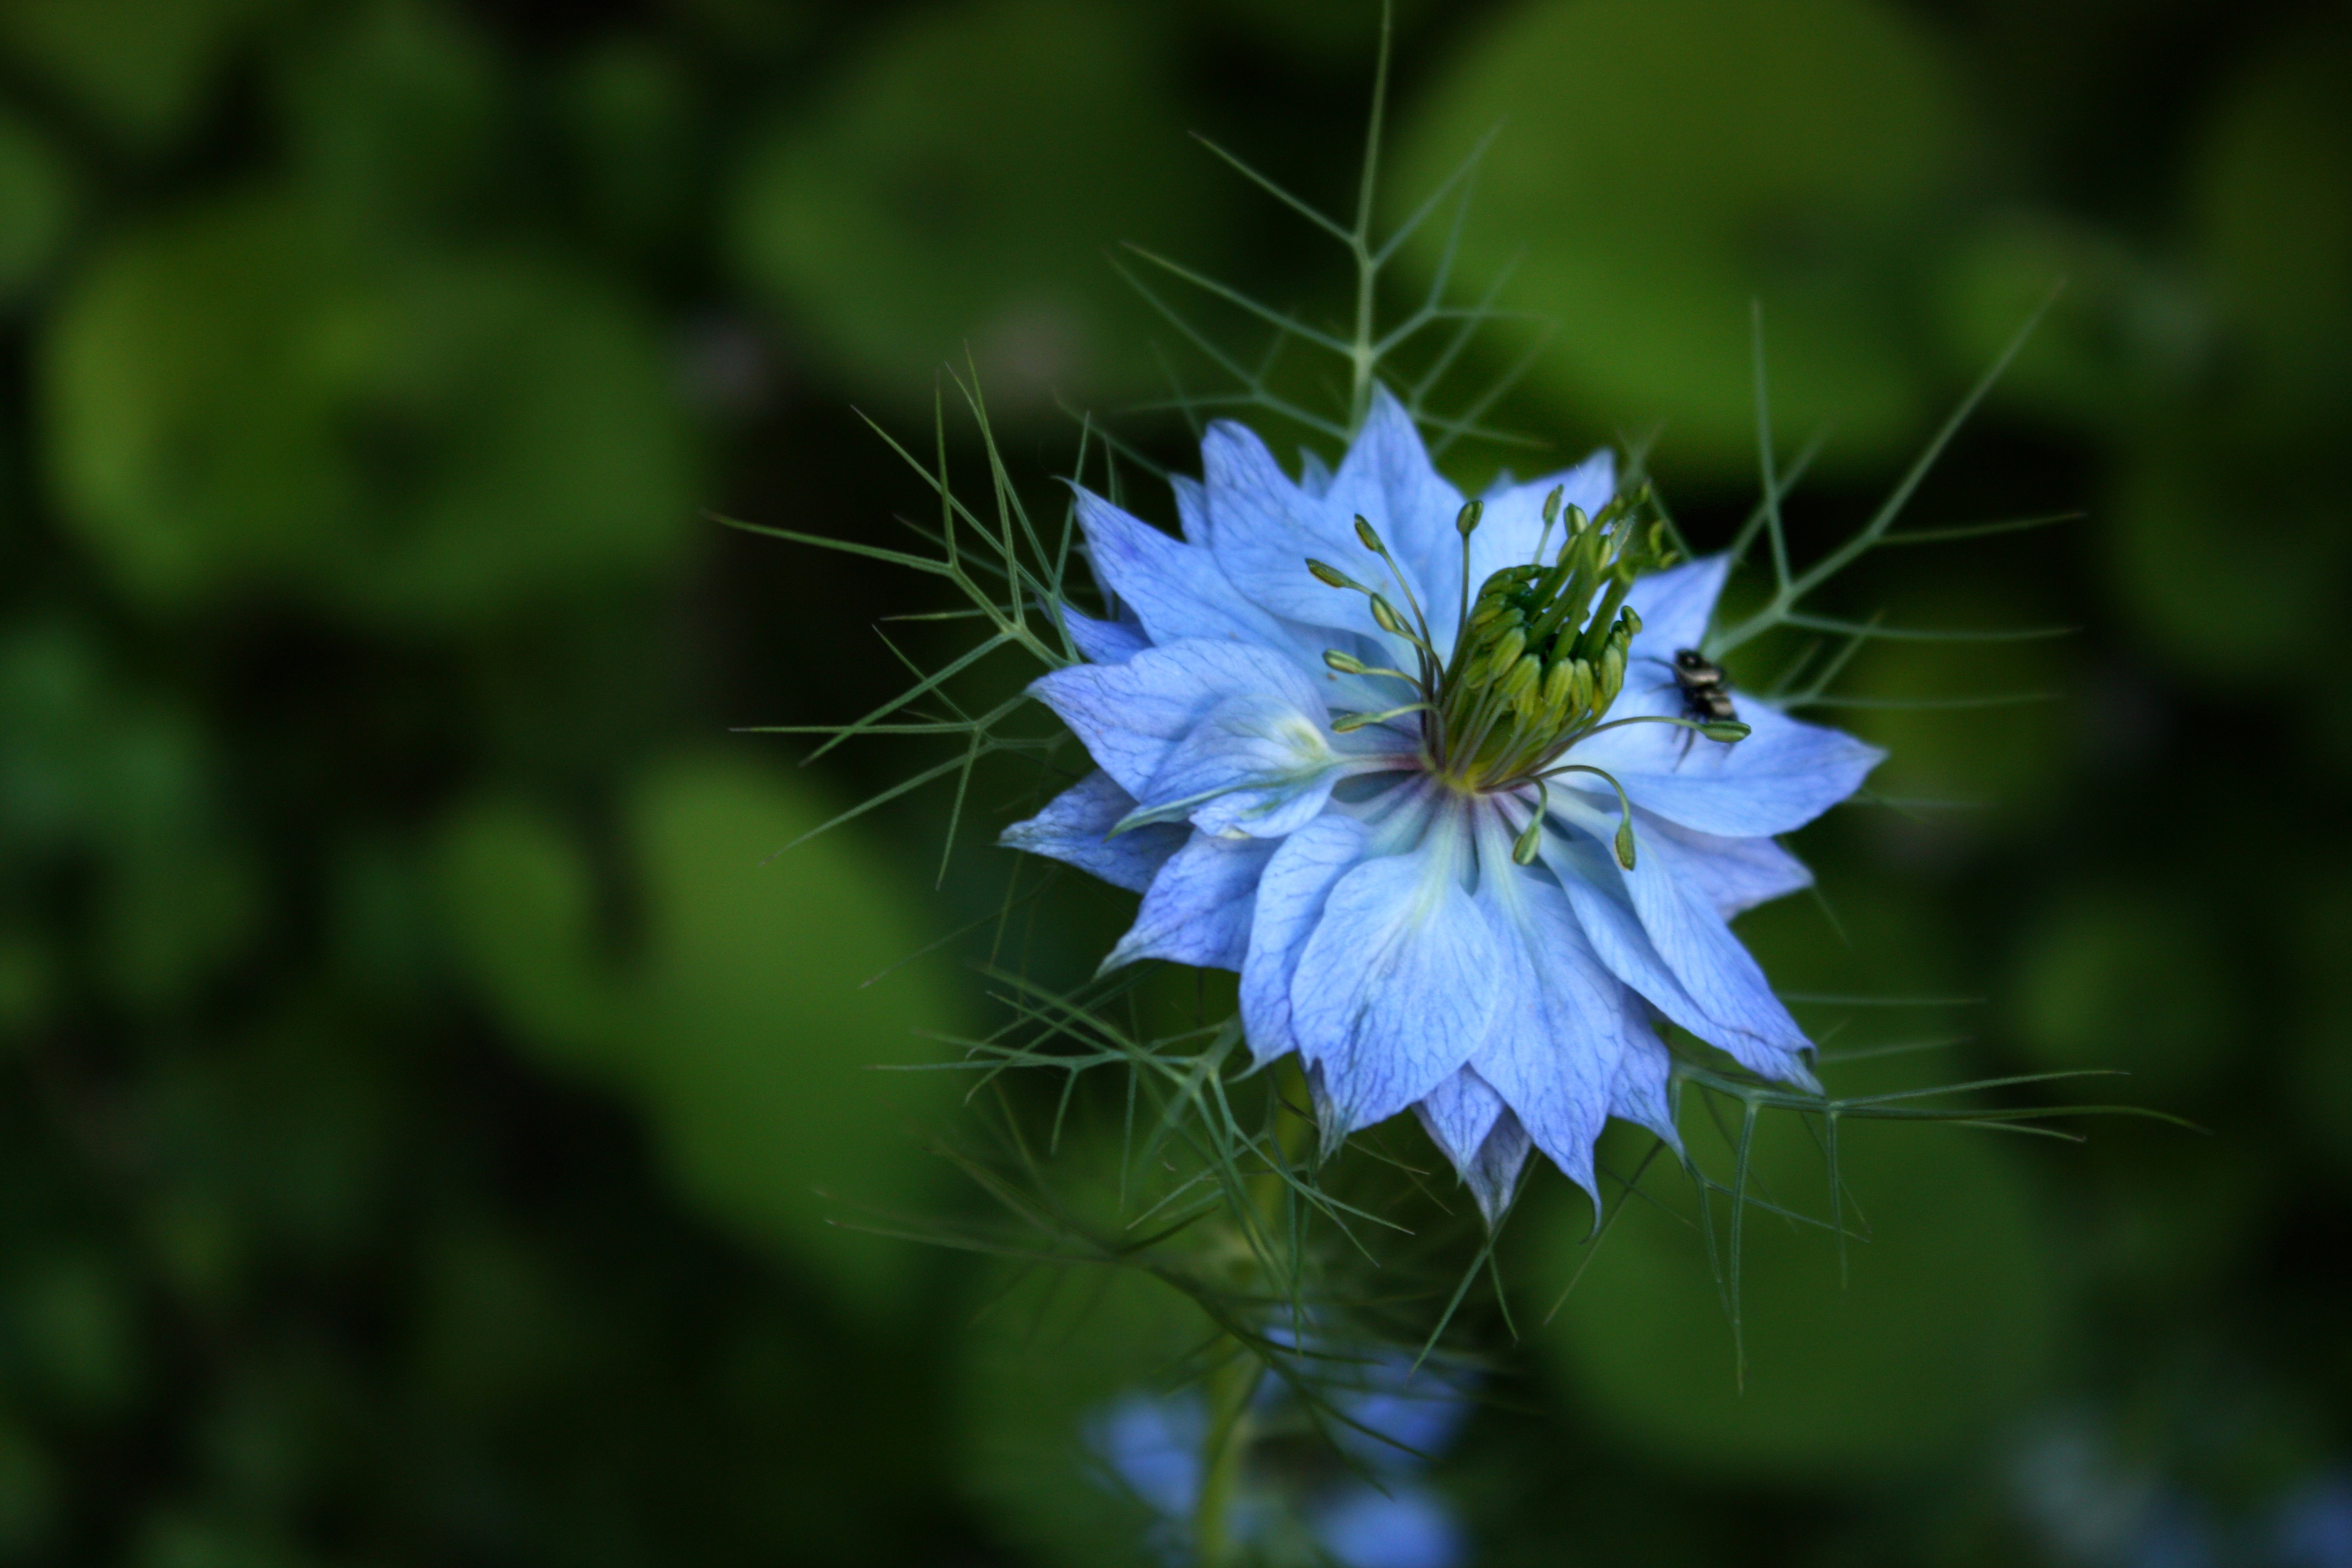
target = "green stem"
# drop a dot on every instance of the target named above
(1233, 1387)
(1231, 1390)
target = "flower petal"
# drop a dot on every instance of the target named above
(1640, 1094)
(1314, 473)
(1561, 1027)
(1075, 828)
(1175, 589)
(1197, 911)
(1192, 510)
(1458, 1114)
(1730, 874)
(1396, 985)
(1784, 774)
(1675, 606)
(1105, 642)
(1265, 529)
(1129, 715)
(1387, 479)
(1475, 1130)
(1255, 763)
(1659, 940)
(1290, 899)
(1402, 1526)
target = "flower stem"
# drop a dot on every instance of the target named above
(1233, 1387)
(1229, 1393)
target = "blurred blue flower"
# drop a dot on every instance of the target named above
(2314, 1525)
(1390, 1419)
(1447, 810)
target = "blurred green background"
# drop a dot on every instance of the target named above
(424, 1106)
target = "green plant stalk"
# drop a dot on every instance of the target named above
(1234, 1386)
(1231, 1390)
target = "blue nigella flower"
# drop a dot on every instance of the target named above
(1390, 1420)
(1430, 776)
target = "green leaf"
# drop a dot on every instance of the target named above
(957, 185)
(2135, 978)
(241, 402)
(1663, 162)
(761, 1032)
(742, 1026)
(142, 69)
(1944, 1330)
(38, 201)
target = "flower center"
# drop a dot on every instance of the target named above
(1542, 653)
(1537, 659)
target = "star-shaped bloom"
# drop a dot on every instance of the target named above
(1453, 788)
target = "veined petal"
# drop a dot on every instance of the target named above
(1494, 1176)
(1641, 1093)
(1458, 1114)
(1255, 763)
(1395, 987)
(1290, 897)
(1263, 530)
(1730, 874)
(1387, 479)
(1683, 939)
(1192, 510)
(1559, 1028)
(1075, 828)
(1197, 911)
(1314, 473)
(1674, 606)
(1784, 774)
(1105, 642)
(1176, 590)
(1129, 715)
(1474, 1129)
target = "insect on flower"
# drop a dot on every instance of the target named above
(1463, 865)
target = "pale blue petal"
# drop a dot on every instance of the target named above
(1476, 1131)
(1192, 510)
(1559, 1030)
(1676, 605)
(1387, 479)
(1641, 1093)
(1105, 642)
(1511, 523)
(1265, 529)
(1495, 1175)
(1075, 828)
(1730, 874)
(1129, 715)
(1314, 473)
(1687, 957)
(1406, 1527)
(1255, 763)
(1197, 910)
(1458, 1114)
(1784, 774)
(1174, 589)
(1290, 899)
(1395, 986)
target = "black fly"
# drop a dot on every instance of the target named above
(1707, 694)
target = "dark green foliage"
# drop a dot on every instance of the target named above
(432, 1129)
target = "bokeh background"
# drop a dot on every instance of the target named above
(422, 1105)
